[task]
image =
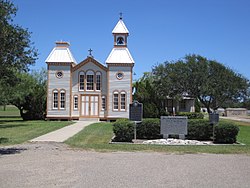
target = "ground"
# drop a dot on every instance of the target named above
(57, 165)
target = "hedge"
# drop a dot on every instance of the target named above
(199, 129)
(226, 133)
(123, 130)
(191, 115)
(149, 129)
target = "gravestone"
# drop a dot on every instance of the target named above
(174, 125)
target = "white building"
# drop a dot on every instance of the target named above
(90, 89)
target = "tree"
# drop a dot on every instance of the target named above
(209, 81)
(214, 84)
(16, 50)
(146, 94)
(29, 95)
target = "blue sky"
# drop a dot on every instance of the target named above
(160, 30)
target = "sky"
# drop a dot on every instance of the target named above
(160, 30)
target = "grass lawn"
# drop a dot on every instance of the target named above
(16, 131)
(10, 111)
(96, 137)
(13, 130)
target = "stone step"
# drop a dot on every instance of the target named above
(88, 119)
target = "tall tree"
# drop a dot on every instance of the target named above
(209, 81)
(16, 49)
(29, 95)
(147, 94)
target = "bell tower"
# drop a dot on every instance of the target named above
(120, 68)
(120, 33)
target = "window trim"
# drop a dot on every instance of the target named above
(57, 76)
(117, 93)
(53, 99)
(105, 103)
(90, 73)
(125, 101)
(74, 102)
(98, 73)
(79, 83)
(64, 101)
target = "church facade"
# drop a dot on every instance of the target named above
(90, 89)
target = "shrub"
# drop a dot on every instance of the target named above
(123, 130)
(226, 132)
(149, 128)
(199, 129)
(191, 115)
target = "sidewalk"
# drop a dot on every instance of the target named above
(243, 119)
(64, 133)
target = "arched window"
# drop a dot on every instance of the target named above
(55, 99)
(90, 80)
(123, 100)
(62, 99)
(98, 81)
(115, 100)
(75, 102)
(81, 81)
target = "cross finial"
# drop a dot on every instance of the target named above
(90, 52)
(120, 15)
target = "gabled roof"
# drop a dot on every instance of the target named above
(120, 55)
(120, 28)
(87, 60)
(61, 53)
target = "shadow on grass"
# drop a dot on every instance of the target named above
(4, 126)
(7, 119)
(11, 151)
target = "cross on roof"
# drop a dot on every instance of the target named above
(120, 15)
(90, 52)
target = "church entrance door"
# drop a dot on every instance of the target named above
(89, 106)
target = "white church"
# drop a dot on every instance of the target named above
(90, 89)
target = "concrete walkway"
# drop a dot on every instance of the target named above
(64, 133)
(243, 119)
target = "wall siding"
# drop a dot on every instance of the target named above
(75, 87)
(56, 83)
(67, 83)
(119, 85)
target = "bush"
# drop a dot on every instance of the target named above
(199, 129)
(191, 115)
(226, 133)
(123, 130)
(149, 128)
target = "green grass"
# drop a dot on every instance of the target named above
(16, 131)
(97, 136)
(10, 111)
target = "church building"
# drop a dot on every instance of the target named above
(90, 89)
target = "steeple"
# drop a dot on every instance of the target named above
(120, 52)
(120, 33)
(120, 28)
